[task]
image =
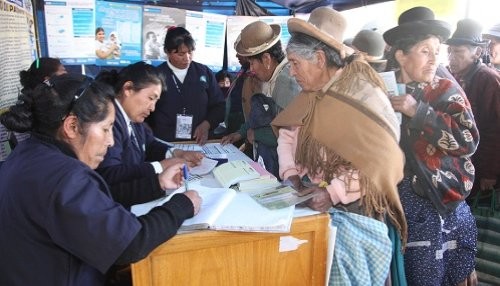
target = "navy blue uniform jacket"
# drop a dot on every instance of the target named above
(58, 224)
(199, 95)
(124, 161)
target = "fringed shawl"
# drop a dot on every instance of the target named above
(353, 129)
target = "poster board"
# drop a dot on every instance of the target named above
(155, 23)
(122, 24)
(209, 33)
(70, 27)
(18, 49)
(236, 23)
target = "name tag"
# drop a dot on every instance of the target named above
(183, 126)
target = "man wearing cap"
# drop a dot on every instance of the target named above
(260, 43)
(493, 35)
(482, 87)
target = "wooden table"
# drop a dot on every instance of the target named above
(221, 258)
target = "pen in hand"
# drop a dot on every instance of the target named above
(186, 176)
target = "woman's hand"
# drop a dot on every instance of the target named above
(192, 158)
(195, 199)
(171, 178)
(201, 133)
(231, 138)
(405, 104)
(320, 201)
(167, 163)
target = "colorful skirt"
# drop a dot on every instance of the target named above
(440, 250)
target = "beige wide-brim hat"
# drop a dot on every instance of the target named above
(257, 37)
(326, 25)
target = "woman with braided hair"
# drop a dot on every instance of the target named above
(333, 138)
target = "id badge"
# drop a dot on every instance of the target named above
(183, 126)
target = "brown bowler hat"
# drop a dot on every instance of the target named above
(257, 37)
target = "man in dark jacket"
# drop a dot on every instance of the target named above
(482, 87)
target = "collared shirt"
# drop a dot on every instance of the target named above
(156, 165)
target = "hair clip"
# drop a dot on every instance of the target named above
(171, 28)
(48, 83)
(37, 65)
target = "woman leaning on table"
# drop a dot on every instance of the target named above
(136, 157)
(59, 224)
(336, 134)
(438, 136)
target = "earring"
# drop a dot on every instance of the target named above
(267, 67)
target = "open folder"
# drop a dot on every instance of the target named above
(226, 209)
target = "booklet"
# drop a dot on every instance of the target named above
(261, 183)
(280, 197)
(393, 88)
(233, 172)
(226, 209)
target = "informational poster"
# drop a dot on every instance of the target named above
(234, 26)
(155, 22)
(70, 28)
(208, 31)
(18, 49)
(122, 25)
(236, 23)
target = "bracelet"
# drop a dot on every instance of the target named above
(323, 184)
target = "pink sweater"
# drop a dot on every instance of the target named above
(287, 144)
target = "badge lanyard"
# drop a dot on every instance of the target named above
(184, 122)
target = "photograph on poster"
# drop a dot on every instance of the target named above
(155, 23)
(118, 33)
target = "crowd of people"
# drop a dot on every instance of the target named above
(316, 114)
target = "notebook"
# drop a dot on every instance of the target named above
(233, 172)
(226, 209)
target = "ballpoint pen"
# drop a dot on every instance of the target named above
(186, 176)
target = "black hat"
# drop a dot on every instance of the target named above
(417, 20)
(468, 33)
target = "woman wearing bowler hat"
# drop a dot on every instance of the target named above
(438, 136)
(260, 43)
(331, 138)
